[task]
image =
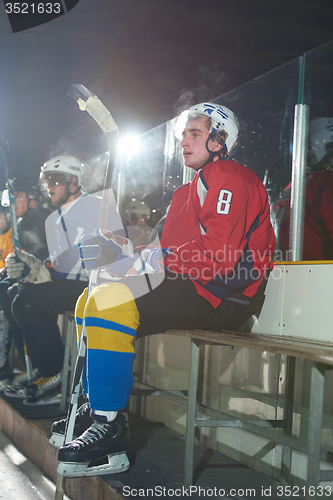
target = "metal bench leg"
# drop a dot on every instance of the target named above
(67, 332)
(191, 414)
(285, 476)
(315, 425)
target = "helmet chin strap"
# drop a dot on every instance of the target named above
(222, 153)
(77, 190)
(28, 207)
(69, 194)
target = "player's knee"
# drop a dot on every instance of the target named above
(21, 308)
(113, 301)
(108, 296)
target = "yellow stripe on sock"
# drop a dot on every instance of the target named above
(109, 340)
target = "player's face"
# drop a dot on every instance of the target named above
(21, 203)
(194, 140)
(57, 190)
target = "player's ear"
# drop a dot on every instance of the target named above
(215, 146)
(32, 203)
(72, 186)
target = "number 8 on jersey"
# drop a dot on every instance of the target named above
(224, 201)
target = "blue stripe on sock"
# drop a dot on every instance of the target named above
(109, 325)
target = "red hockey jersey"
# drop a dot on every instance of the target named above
(219, 229)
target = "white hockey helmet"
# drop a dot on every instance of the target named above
(223, 120)
(321, 134)
(66, 164)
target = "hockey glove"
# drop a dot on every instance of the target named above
(26, 266)
(102, 248)
(150, 260)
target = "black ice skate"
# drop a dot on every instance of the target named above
(102, 440)
(17, 388)
(83, 421)
(44, 391)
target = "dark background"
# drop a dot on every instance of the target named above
(145, 59)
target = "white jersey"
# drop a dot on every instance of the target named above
(64, 228)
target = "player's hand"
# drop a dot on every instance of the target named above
(14, 266)
(26, 266)
(102, 248)
(150, 260)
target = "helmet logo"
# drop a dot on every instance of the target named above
(210, 109)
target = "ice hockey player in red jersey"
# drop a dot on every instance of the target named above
(215, 250)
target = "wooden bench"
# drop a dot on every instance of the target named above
(198, 416)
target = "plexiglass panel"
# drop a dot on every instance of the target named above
(318, 220)
(315, 93)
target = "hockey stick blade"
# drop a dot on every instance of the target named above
(89, 102)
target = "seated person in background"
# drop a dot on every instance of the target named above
(326, 162)
(6, 243)
(318, 213)
(31, 218)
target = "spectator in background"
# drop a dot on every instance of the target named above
(6, 243)
(31, 218)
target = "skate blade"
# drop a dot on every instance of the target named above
(5, 383)
(19, 394)
(51, 400)
(116, 463)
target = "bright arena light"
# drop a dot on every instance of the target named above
(129, 144)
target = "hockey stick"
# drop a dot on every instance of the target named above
(15, 235)
(90, 103)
